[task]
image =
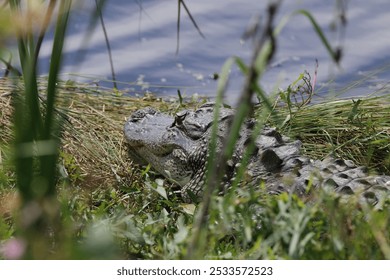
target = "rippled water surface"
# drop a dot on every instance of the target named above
(142, 35)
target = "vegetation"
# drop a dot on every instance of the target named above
(105, 200)
(69, 191)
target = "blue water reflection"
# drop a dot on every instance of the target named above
(144, 43)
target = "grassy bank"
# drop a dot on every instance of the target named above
(114, 209)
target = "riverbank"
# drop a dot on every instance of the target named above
(100, 189)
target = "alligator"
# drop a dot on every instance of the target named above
(177, 147)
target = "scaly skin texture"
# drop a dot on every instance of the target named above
(177, 147)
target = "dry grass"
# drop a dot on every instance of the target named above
(94, 152)
(5, 112)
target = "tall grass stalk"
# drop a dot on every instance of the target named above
(99, 8)
(37, 132)
(179, 4)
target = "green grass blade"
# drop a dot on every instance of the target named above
(51, 129)
(56, 56)
(44, 27)
(180, 3)
(30, 98)
(333, 54)
(197, 243)
(192, 18)
(178, 27)
(99, 8)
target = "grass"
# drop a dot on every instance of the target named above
(110, 203)
(357, 129)
(69, 191)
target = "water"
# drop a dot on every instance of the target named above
(143, 43)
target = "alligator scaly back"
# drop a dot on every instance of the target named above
(177, 147)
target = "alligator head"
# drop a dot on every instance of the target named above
(169, 143)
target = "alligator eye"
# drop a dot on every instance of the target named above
(179, 118)
(140, 114)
